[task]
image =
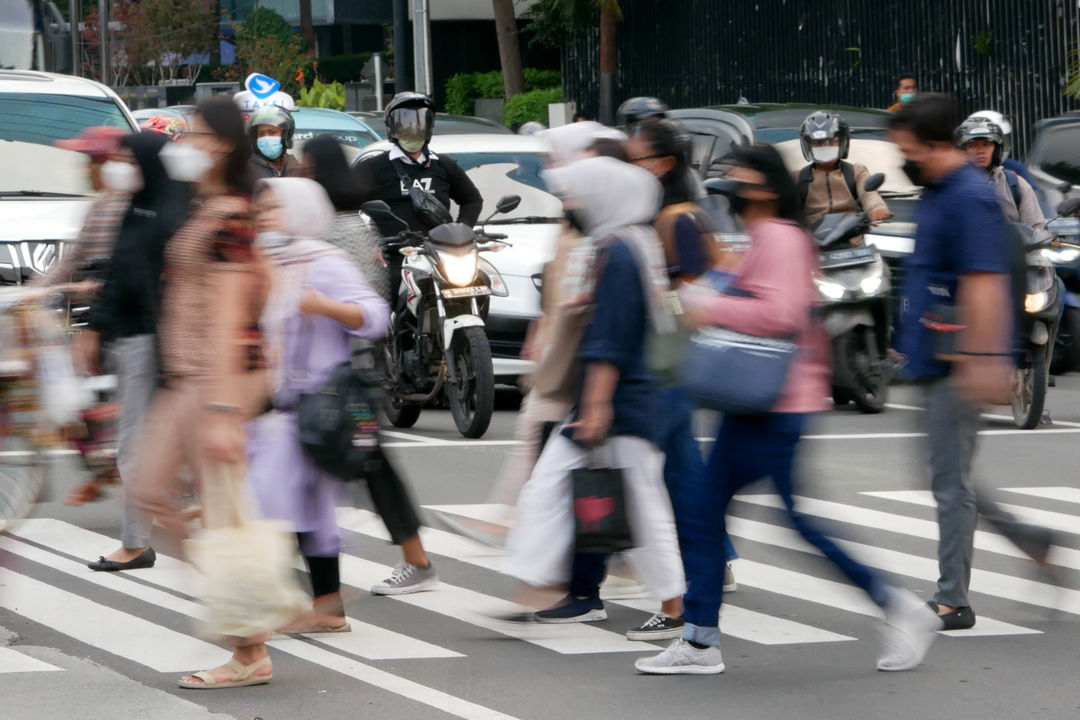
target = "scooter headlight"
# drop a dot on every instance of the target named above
(830, 290)
(873, 282)
(1061, 256)
(1034, 302)
(460, 270)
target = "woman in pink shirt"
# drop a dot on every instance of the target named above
(773, 296)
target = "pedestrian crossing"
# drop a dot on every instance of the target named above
(105, 610)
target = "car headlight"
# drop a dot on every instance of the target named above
(1061, 256)
(830, 290)
(1034, 302)
(460, 269)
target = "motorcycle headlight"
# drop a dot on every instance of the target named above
(460, 269)
(1034, 302)
(830, 290)
(872, 283)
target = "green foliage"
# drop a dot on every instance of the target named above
(984, 41)
(321, 95)
(1072, 87)
(264, 46)
(530, 106)
(554, 22)
(463, 90)
(264, 23)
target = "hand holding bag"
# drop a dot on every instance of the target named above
(600, 522)
(251, 584)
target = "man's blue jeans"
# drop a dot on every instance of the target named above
(684, 470)
(747, 449)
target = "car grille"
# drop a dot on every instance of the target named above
(22, 260)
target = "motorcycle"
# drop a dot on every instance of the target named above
(436, 344)
(1042, 315)
(1066, 259)
(854, 287)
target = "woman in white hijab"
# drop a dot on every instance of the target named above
(319, 299)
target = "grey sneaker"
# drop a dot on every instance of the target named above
(659, 627)
(407, 578)
(910, 629)
(730, 585)
(682, 658)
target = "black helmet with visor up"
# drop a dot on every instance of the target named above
(822, 125)
(636, 109)
(410, 121)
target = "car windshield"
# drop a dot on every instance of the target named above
(775, 126)
(467, 126)
(1057, 152)
(499, 174)
(31, 122)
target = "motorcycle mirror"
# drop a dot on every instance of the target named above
(1069, 206)
(874, 182)
(719, 186)
(376, 209)
(508, 203)
(1065, 188)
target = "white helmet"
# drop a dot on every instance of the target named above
(998, 119)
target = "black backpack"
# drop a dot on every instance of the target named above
(806, 176)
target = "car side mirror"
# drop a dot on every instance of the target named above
(1069, 206)
(874, 182)
(508, 203)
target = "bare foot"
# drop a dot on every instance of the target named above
(125, 555)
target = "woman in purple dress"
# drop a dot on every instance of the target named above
(319, 300)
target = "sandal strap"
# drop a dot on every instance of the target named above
(208, 679)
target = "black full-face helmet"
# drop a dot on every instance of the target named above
(410, 121)
(824, 125)
(637, 109)
(979, 128)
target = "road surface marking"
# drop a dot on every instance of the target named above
(1061, 494)
(1060, 522)
(13, 661)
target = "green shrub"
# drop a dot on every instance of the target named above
(529, 106)
(321, 95)
(462, 90)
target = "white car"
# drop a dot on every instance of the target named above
(44, 190)
(508, 165)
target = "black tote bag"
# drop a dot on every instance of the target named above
(600, 522)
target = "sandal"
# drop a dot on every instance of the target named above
(316, 628)
(244, 676)
(84, 493)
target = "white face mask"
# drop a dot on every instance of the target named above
(272, 242)
(185, 163)
(826, 154)
(121, 177)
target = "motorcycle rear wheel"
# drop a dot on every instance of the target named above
(472, 396)
(1029, 398)
(400, 414)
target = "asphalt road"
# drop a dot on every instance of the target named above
(800, 643)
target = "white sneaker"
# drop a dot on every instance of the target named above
(910, 629)
(730, 585)
(682, 658)
(407, 578)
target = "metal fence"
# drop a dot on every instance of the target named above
(1009, 55)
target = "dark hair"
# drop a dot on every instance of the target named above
(667, 139)
(906, 76)
(767, 161)
(580, 115)
(609, 147)
(227, 122)
(931, 117)
(331, 170)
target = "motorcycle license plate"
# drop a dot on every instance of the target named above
(466, 291)
(847, 257)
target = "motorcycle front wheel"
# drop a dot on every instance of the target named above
(472, 396)
(1029, 397)
(867, 369)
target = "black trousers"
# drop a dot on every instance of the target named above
(391, 499)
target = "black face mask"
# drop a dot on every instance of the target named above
(738, 204)
(576, 219)
(914, 172)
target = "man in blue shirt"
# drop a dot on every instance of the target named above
(956, 330)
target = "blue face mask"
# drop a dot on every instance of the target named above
(270, 147)
(906, 98)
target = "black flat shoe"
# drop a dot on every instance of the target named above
(959, 619)
(145, 560)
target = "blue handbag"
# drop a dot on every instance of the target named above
(736, 373)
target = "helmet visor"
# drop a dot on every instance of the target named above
(411, 126)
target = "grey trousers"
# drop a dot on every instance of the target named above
(135, 359)
(952, 426)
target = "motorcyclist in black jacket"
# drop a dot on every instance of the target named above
(388, 176)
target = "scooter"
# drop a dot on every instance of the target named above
(855, 288)
(437, 345)
(1065, 256)
(1042, 316)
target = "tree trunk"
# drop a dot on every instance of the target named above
(307, 29)
(509, 53)
(608, 58)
